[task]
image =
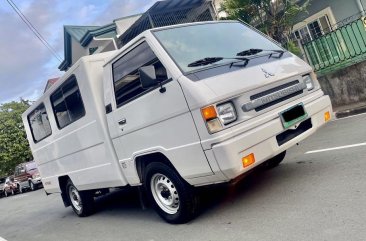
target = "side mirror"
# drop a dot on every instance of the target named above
(148, 77)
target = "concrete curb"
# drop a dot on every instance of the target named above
(350, 112)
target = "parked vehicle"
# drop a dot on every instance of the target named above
(10, 187)
(2, 184)
(177, 107)
(27, 176)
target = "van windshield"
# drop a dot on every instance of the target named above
(217, 39)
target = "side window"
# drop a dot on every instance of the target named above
(39, 123)
(67, 103)
(126, 77)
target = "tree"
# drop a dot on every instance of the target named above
(14, 147)
(273, 17)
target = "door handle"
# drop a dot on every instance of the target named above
(122, 122)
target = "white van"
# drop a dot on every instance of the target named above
(178, 107)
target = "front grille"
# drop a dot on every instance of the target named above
(258, 96)
(277, 88)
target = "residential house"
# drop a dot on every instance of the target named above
(323, 16)
(332, 33)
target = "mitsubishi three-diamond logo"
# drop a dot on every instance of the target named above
(267, 74)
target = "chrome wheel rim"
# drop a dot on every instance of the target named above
(75, 198)
(165, 193)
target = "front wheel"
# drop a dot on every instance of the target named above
(172, 198)
(82, 202)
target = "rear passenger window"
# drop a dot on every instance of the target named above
(67, 103)
(39, 123)
(126, 77)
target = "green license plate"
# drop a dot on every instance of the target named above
(293, 115)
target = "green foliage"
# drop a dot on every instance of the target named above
(273, 17)
(14, 147)
(293, 48)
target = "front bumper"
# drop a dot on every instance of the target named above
(226, 156)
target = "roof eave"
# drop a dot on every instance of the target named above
(90, 34)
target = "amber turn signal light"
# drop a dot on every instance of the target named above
(248, 160)
(209, 113)
(327, 116)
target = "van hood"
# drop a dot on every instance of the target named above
(217, 84)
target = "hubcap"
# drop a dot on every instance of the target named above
(75, 198)
(165, 194)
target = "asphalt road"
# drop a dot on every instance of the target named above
(316, 196)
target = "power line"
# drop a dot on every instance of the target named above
(34, 30)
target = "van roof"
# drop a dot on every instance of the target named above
(111, 55)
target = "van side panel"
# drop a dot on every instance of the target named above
(82, 150)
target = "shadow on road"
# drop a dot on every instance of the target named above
(257, 185)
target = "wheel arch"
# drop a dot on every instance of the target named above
(143, 160)
(62, 181)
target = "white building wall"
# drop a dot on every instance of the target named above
(77, 51)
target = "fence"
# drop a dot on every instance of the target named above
(339, 48)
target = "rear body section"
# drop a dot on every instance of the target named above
(81, 150)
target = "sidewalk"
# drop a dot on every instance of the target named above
(348, 110)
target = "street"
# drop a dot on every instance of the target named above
(310, 196)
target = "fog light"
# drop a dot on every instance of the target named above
(214, 125)
(248, 160)
(327, 116)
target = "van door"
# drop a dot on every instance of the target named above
(149, 120)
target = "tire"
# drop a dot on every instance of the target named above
(275, 161)
(172, 198)
(32, 186)
(82, 202)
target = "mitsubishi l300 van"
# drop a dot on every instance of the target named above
(175, 108)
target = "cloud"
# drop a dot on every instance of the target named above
(21, 57)
(25, 63)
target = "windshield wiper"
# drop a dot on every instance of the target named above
(205, 61)
(211, 60)
(249, 52)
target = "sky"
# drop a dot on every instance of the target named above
(25, 63)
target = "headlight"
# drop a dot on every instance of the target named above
(217, 117)
(226, 113)
(34, 176)
(308, 81)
